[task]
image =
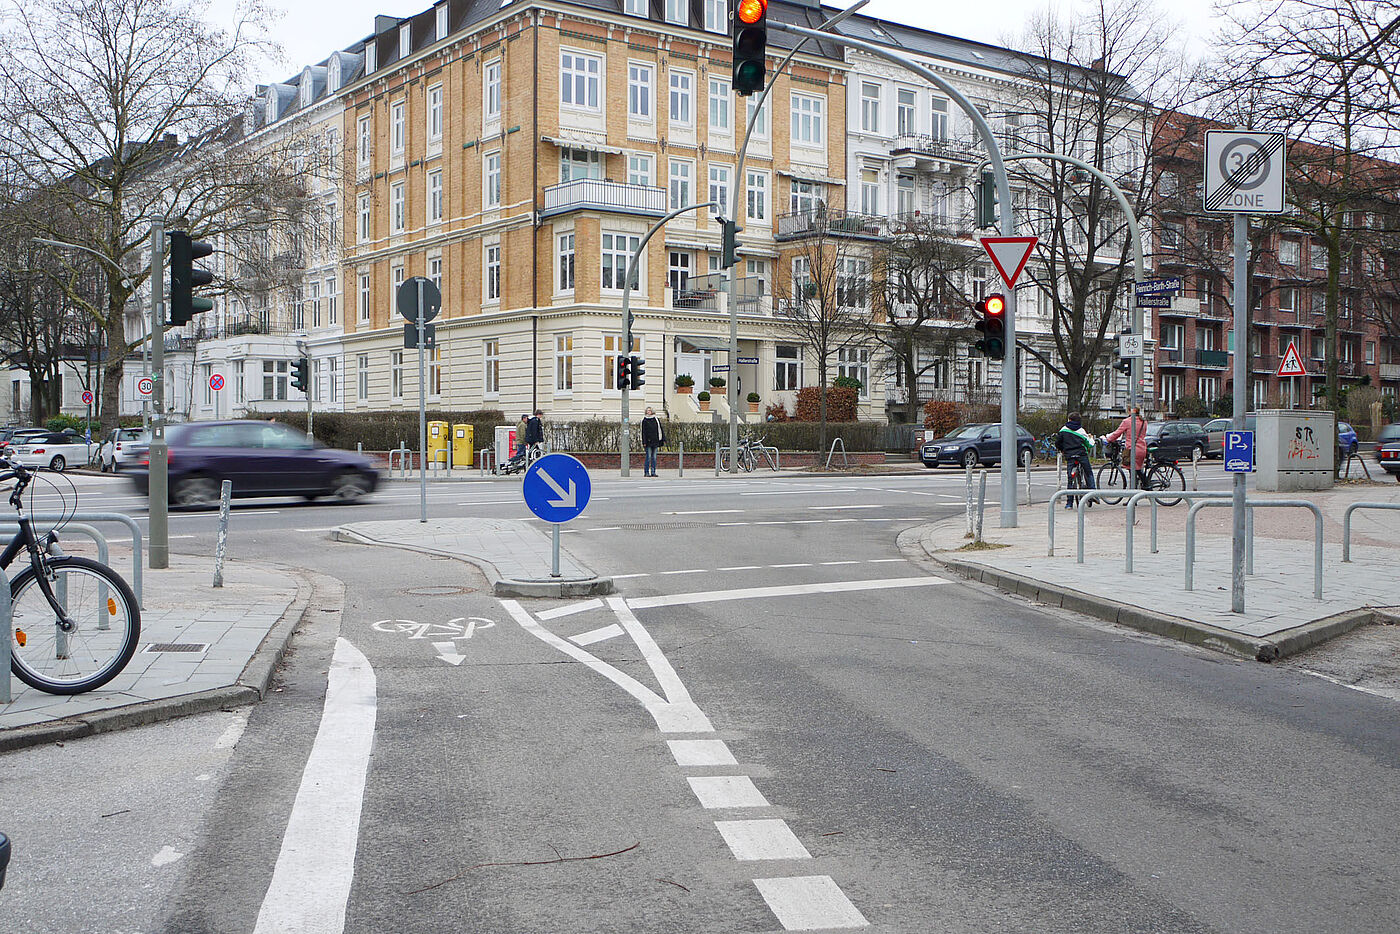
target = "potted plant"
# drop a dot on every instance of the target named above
(685, 384)
(704, 399)
(753, 400)
(717, 385)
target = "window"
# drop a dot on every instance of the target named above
(362, 376)
(440, 24)
(639, 91)
(239, 390)
(492, 278)
(566, 262)
(681, 82)
(1370, 352)
(870, 107)
(852, 279)
(787, 370)
(757, 193)
(396, 277)
(563, 363)
(807, 120)
(405, 40)
(332, 379)
(315, 302)
(435, 272)
(639, 169)
(680, 183)
(396, 374)
(275, 380)
(332, 302)
(1319, 346)
(906, 117)
(1173, 336)
(617, 251)
(938, 111)
(1288, 301)
(434, 373)
(579, 80)
(904, 194)
(716, 16)
(435, 196)
(1319, 255)
(491, 172)
(802, 286)
(579, 163)
(397, 207)
(364, 230)
(1288, 252)
(206, 371)
(719, 187)
(678, 271)
(636, 7)
(719, 105)
(676, 11)
(807, 196)
(869, 191)
(371, 57)
(364, 298)
(612, 349)
(396, 128)
(757, 270)
(364, 133)
(435, 113)
(1172, 235)
(760, 125)
(491, 90)
(491, 368)
(1208, 388)
(854, 362)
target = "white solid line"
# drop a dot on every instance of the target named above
(731, 523)
(571, 609)
(761, 839)
(727, 791)
(810, 903)
(311, 882)
(742, 567)
(666, 676)
(791, 590)
(829, 563)
(618, 577)
(701, 752)
(606, 528)
(610, 631)
(789, 565)
(881, 560)
(702, 512)
(870, 506)
(691, 571)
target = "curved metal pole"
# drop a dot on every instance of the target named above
(625, 442)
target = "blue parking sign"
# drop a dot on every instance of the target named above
(1239, 451)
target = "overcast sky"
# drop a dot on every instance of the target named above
(311, 29)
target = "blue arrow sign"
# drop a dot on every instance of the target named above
(557, 487)
(1239, 451)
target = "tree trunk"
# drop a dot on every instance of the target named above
(821, 405)
(114, 329)
(911, 388)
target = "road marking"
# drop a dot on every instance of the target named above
(571, 609)
(701, 752)
(803, 492)
(690, 571)
(742, 567)
(773, 522)
(731, 523)
(807, 903)
(311, 882)
(807, 521)
(789, 565)
(869, 506)
(606, 528)
(831, 563)
(166, 856)
(494, 502)
(791, 590)
(727, 791)
(618, 577)
(881, 560)
(702, 512)
(232, 733)
(447, 651)
(842, 520)
(597, 635)
(761, 839)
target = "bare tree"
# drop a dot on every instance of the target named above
(96, 96)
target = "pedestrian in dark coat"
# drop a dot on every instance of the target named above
(653, 436)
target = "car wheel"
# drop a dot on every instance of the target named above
(969, 458)
(58, 463)
(349, 487)
(1198, 452)
(195, 493)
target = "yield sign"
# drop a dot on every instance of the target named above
(1009, 255)
(1292, 364)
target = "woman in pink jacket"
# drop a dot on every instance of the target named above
(1139, 436)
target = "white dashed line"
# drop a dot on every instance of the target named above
(867, 506)
(731, 523)
(761, 839)
(618, 577)
(597, 635)
(606, 528)
(743, 567)
(688, 571)
(727, 791)
(881, 560)
(701, 752)
(789, 565)
(831, 563)
(809, 903)
(702, 512)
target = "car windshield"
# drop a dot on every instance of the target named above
(966, 431)
(1389, 433)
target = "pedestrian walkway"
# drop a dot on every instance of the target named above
(1281, 616)
(201, 649)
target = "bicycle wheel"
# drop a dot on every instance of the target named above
(1112, 477)
(1166, 477)
(747, 461)
(106, 625)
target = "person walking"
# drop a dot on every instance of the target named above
(1138, 428)
(653, 436)
(534, 432)
(522, 428)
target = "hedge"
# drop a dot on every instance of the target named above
(598, 435)
(384, 431)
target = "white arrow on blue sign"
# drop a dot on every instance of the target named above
(557, 487)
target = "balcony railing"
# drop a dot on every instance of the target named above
(826, 220)
(934, 147)
(1390, 371)
(596, 194)
(1171, 356)
(1213, 358)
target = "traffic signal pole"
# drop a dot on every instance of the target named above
(1008, 229)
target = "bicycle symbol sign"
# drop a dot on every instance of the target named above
(452, 629)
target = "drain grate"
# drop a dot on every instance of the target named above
(185, 647)
(662, 526)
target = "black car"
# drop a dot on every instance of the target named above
(1388, 435)
(975, 444)
(1178, 440)
(260, 459)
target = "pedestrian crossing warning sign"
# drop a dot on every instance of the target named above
(1292, 364)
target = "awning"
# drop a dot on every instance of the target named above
(811, 177)
(567, 140)
(706, 343)
(690, 244)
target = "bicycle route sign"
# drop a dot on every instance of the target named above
(557, 487)
(1244, 172)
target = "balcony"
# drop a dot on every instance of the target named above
(932, 154)
(1218, 359)
(1390, 371)
(596, 194)
(834, 222)
(1171, 356)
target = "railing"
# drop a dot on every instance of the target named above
(1390, 371)
(827, 220)
(1172, 356)
(1212, 358)
(598, 194)
(937, 147)
(1346, 523)
(1298, 503)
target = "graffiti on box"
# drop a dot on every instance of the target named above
(1305, 446)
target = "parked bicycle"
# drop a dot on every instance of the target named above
(74, 621)
(1157, 474)
(1046, 450)
(750, 450)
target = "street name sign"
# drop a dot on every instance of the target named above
(406, 299)
(1009, 255)
(557, 487)
(1153, 301)
(743, 360)
(1239, 451)
(1244, 172)
(1152, 286)
(719, 368)
(1292, 364)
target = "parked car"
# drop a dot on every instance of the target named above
(55, 450)
(974, 444)
(1388, 435)
(260, 459)
(1347, 441)
(10, 437)
(1389, 456)
(1178, 440)
(121, 449)
(1215, 435)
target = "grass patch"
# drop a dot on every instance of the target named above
(982, 546)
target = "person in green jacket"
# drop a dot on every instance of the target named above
(1075, 444)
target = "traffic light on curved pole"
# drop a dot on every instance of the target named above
(750, 45)
(991, 324)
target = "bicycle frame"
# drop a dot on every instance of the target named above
(26, 540)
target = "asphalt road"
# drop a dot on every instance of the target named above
(936, 757)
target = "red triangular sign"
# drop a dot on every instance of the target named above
(1009, 255)
(1292, 364)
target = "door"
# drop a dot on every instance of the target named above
(989, 448)
(696, 366)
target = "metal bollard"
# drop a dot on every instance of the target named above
(1027, 467)
(967, 495)
(680, 459)
(225, 494)
(981, 504)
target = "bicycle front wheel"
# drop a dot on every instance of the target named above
(1166, 477)
(747, 461)
(1112, 478)
(105, 623)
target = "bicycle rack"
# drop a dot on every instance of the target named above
(486, 461)
(1299, 503)
(1346, 471)
(7, 614)
(83, 517)
(405, 455)
(1346, 523)
(845, 462)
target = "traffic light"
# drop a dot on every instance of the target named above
(729, 232)
(1124, 365)
(184, 277)
(301, 374)
(991, 324)
(750, 45)
(624, 372)
(636, 370)
(987, 201)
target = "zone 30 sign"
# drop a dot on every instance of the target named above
(1244, 172)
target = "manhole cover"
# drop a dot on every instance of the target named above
(436, 591)
(156, 647)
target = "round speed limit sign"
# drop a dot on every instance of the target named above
(146, 386)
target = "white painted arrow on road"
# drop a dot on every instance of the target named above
(566, 500)
(447, 652)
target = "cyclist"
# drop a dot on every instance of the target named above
(1075, 444)
(1138, 427)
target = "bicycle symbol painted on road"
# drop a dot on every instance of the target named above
(460, 628)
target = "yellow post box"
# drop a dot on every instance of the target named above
(437, 443)
(463, 448)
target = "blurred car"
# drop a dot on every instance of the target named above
(974, 444)
(1178, 440)
(1215, 435)
(1387, 436)
(121, 449)
(55, 450)
(1347, 441)
(260, 459)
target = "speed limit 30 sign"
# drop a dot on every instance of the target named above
(1244, 172)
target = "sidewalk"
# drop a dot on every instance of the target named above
(201, 649)
(1281, 615)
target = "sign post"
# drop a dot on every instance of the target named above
(557, 488)
(418, 300)
(1244, 174)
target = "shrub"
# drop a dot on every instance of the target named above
(703, 396)
(777, 412)
(717, 381)
(384, 431)
(752, 397)
(685, 379)
(940, 416)
(847, 382)
(60, 422)
(1191, 407)
(841, 404)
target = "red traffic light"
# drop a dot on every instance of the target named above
(994, 304)
(751, 11)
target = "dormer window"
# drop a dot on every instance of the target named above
(371, 57)
(270, 108)
(441, 32)
(333, 74)
(308, 84)
(636, 7)
(405, 40)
